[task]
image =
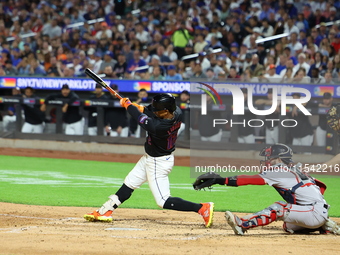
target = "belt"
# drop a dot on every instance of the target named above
(326, 206)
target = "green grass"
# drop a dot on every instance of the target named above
(63, 182)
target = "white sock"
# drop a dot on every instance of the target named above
(110, 204)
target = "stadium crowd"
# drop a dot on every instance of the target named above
(152, 39)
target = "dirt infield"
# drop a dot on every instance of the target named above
(27, 229)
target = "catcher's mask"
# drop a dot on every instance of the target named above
(278, 150)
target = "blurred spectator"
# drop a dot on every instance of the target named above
(120, 67)
(97, 62)
(34, 117)
(69, 72)
(250, 39)
(290, 27)
(328, 78)
(165, 61)
(288, 76)
(336, 43)
(156, 74)
(74, 121)
(198, 72)
(301, 64)
(15, 58)
(289, 64)
(169, 52)
(116, 121)
(180, 38)
(52, 29)
(172, 74)
(294, 45)
(21, 67)
(54, 70)
(266, 10)
(108, 61)
(301, 77)
(142, 35)
(281, 64)
(247, 76)
(146, 56)
(321, 130)
(34, 68)
(255, 66)
(10, 111)
(9, 69)
(233, 74)
(247, 61)
(271, 74)
(200, 43)
(105, 31)
(210, 74)
(98, 94)
(76, 66)
(135, 62)
(315, 76)
(108, 71)
(266, 29)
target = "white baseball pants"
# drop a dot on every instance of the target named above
(246, 139)
(306, 140)
(35, 129)
(311, 216)
(214, 138)
(272, 136)
(76, 128)
(7, 119)
(320, 136)
(155, 171)
(92, 131)
(123, 133)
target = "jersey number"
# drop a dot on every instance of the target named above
(172, 140)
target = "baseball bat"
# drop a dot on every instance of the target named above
(100, 81)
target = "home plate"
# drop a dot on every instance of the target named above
(124, 229)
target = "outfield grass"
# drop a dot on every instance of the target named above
(64, 182)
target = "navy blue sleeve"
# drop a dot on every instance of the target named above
(142, 119)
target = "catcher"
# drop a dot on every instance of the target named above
(304, 208)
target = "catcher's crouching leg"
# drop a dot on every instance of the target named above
(274, 212)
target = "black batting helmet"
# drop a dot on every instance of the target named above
(164, 101)
(278, 150)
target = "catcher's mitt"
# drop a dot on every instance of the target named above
(333, 117)
(207, 180)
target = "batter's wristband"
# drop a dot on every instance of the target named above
(127, 103)
(232, 181)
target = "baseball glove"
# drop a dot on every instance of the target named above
(207, 180)
(333, 117)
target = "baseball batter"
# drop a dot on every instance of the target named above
(304, 208)
(161, 120)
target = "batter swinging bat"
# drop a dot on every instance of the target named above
(100, 81)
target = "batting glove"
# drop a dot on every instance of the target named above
(125, 102)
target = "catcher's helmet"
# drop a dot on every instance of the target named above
(163, 102)
(278, 150)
